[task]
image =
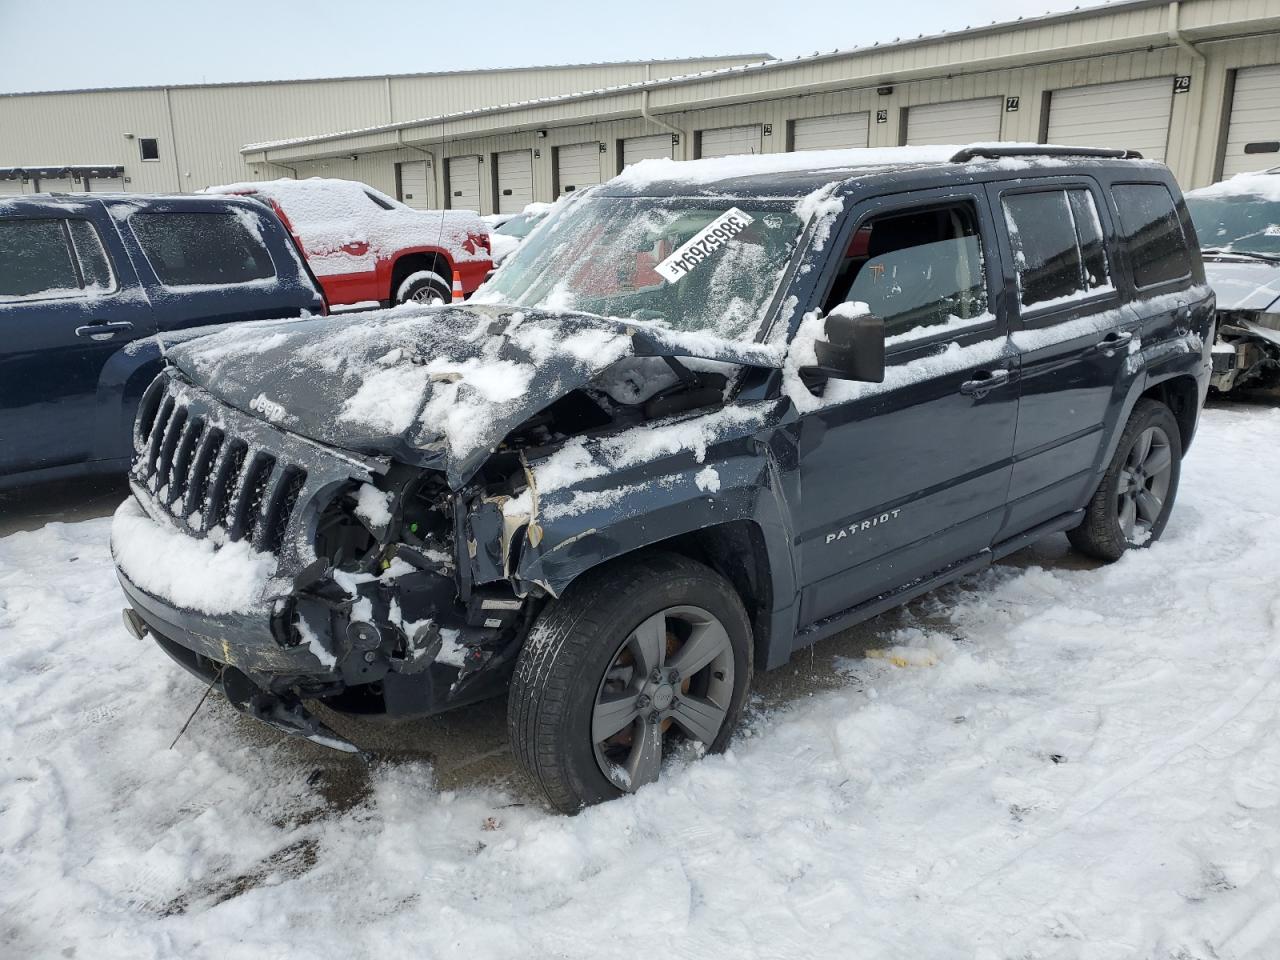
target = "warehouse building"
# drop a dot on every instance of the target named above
(185, 138)
(1193, 83)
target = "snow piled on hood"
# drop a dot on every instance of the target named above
(335, 219)
(433, 377)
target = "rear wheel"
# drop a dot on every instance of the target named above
(627, 665)
(1133, 502)
(425, 286)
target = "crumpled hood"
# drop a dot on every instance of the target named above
(1243, 285)
(438, 386)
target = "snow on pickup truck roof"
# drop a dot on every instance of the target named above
(330, 215)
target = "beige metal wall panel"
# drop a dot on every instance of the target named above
(64, 129)
(424, 96)
(202, 128)
(1131, 114)
(210, 119)
(1254, 119)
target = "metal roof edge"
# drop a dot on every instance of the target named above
(1078, 13)
(381, 76)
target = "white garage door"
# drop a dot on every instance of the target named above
(107, 185)
(730, 141)
(515, 180)
(831, 133)
(1255, 122)
(635, 149)
(1133, 115)
(10, 188)
(960, 121)
(413, 185)
(577, 166)
(464, 183)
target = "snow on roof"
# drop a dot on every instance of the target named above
(716, 169)
(1021, 23)
(1264, 184)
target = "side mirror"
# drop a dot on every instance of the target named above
(853, 348)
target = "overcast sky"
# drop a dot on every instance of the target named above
(75, 43)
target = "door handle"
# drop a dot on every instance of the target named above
(103, 329)
(1114, 341)
(983, 382)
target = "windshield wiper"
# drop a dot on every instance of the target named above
(1246, 254)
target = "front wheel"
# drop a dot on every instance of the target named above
(1133, 502)
(630, 662)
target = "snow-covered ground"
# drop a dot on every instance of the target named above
(1040, 762)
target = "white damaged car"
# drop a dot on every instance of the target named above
(1238, 222)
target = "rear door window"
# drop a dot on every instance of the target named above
(201, 249)
(43, 259)
(1149, 221)
(1058, 250)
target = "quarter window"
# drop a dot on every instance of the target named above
(1151, 228)
(95, 268)
(46, 259)
(920, 271)
(201, 249)
(1058, 249)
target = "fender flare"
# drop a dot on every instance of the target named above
(697, 500)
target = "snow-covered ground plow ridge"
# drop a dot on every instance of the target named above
(1042, 761)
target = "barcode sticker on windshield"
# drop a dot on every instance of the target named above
(704, 243)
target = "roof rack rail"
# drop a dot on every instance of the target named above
(996, 151)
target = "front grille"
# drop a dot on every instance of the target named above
(209, 467)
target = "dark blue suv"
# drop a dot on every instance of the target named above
(87, 285)
(708, 414)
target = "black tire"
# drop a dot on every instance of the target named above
(560, 677)
(427, 288)
(1102, 534)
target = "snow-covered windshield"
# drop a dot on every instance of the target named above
(1242, 221)
(708, 265)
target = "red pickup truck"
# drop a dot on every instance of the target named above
(365, 247)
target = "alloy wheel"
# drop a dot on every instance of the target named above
(1144, 484)
(672, 677)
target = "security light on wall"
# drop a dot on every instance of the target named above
(128, 136)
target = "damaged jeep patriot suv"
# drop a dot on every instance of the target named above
(709, 413)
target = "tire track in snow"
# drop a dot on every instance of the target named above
(1091, 799)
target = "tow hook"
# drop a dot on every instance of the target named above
(134, 623)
